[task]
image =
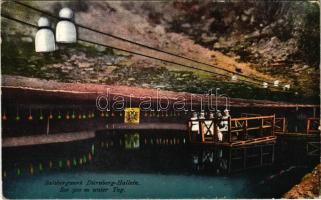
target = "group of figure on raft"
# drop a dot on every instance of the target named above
(199, 121)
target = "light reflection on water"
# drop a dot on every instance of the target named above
(162, 171)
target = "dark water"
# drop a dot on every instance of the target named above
(153, 185)
(154, 171)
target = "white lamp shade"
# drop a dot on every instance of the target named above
(265, 85)
(45, 38)
(234, 78)
(276, 83)
(66, 32)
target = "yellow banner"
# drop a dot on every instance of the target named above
(132, 115)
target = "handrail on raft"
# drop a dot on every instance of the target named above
(242, 129)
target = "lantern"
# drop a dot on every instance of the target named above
(17, 117)
(41, 116)
(73, 116)
(234, 78)
(50, 116)
(45, 38)
(30, 116)
(265, 85)
(4, 117)
(66, 29)
(67, 116)
(59, 115)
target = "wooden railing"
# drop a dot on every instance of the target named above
(280, 125)
(250, 115)
(245, 128)
(313, 125)
(238, 129)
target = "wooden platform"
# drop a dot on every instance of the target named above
(299, 135)
(269, 139)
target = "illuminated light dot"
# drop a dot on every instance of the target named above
(93, 149)
(18, 172)
(31, 169)
(68, 163)
(40, 167)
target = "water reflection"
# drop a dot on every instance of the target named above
(165, 166)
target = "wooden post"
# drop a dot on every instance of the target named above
(230, 160)
(229, 135)
(201, 130)
(272, 159)
(215, 138)
(244, 158)
(48, 126)
(273, 124)
(261, 155)
(308, 125)
(261, 128)
(189, 129)
(245, 129)
(314, 112)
